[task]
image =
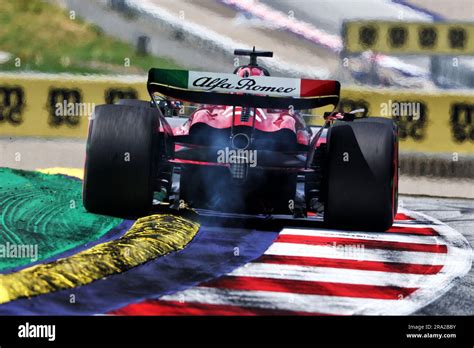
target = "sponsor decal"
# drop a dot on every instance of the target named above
(214, 82)
(231, 83)
(12, 103)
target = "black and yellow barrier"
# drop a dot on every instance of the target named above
(434, 122)
(399, 37)
(438, 122)
(56, 105)
(451, 166)
(428, 122)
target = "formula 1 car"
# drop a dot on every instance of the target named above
(242, 149)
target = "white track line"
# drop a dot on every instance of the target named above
(332, 275)
(356, 254)
(283, 301)
(386, 237)
(412, 226)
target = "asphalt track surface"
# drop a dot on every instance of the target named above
(249, 266)
(458, 214)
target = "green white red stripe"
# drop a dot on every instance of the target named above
(231, 83)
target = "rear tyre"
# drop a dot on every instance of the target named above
(120, 165)
(362, 174)
(135, 102)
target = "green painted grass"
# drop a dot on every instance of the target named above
(44, 212)
(46, 39)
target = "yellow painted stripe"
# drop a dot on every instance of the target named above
(75, 172)
(150, 237)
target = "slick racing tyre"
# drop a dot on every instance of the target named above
(135, 102)
(120, 166)
(362, 174)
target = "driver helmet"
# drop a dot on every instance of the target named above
(246, 71)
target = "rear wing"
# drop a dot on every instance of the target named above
(253, 91)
